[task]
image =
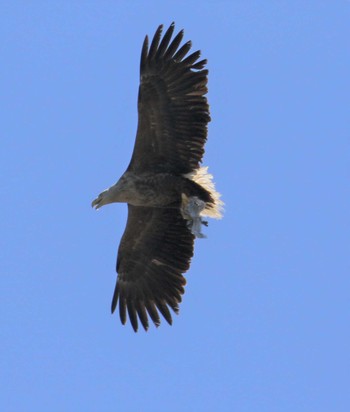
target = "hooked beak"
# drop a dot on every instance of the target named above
(98, 202)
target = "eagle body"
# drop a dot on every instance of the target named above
(153, 190)
(167, 191)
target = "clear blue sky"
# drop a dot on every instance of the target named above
(264, 324)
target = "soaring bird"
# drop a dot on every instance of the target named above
(166, 189)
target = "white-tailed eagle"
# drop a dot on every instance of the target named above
(166, 190)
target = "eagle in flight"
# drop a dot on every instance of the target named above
(167, 191)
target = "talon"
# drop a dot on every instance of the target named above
(191, 208)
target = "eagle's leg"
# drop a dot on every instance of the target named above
(191, 208)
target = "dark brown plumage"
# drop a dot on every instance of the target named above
(173, 111)
(150, 264)
(166, 190)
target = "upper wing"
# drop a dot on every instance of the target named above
(154, 252)
(172, 107)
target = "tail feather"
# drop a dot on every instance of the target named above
(205, 179)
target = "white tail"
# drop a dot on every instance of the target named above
(205, 179)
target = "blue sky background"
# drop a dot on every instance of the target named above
(264, 324)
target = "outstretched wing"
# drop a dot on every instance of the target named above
(172, 108)
(154, 252)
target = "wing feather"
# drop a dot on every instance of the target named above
(155, 251)
(163, 309)
(152, 311)
(172, 108)
(165, 41)
(132, 313)
(174, 45)
(181, 53)
(155, 43)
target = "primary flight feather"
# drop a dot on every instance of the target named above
(166, 190)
